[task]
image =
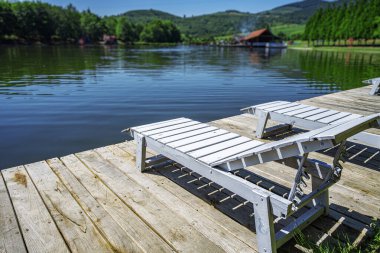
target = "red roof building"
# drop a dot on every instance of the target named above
(262, 35)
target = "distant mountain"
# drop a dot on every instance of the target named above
(232, 21)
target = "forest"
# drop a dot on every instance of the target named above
(36, 21)
(356, 21)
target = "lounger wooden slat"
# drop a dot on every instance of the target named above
(322, 115)
(217, 147)
(178, 131)
(195, 138)
(269, 105)
(302, 110)
(165, 123)
(292, 108)
(229, 151)
(349, 117)
(334, 117)
(275, 108)
(173, 127)
(207, 142)
(188, 134)
(310, 113)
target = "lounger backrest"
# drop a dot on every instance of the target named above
(314, 140)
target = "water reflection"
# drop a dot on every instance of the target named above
(59, 100)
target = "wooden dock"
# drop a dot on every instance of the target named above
(95, 201)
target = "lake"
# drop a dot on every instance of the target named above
(56, 100)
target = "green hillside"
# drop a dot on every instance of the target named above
(287, 19)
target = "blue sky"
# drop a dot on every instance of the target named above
(183, 7)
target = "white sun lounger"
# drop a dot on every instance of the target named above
(214, 153)
(306, 117)
(375, 85)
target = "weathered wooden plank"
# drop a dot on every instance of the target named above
(270, 105)
(276, 108)
(39, 230)
(92, 193)
(285, 110)
(174, 228)
(215, 231)
(195, 138)
(302, 110)
(76, 228)
(350, 117)
(10, 235)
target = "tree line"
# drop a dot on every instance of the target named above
(357, 20)
(37, 21)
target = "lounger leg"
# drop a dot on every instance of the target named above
(262, 122)
(265, 235)
(140, 152)
(322, 199)
(375, 86)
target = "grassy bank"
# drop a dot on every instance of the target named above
(302, 45)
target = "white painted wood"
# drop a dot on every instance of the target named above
(160, 124)
(265, 234)
(302, 110)
(10, 235)
(348, 118)
(292, 108)
(140, 152)
(334, 117)
(178, 131)
(194, 138)
(269, 105)
(207, 142)
(322, 115)
(280, 107)
(229, 152)
(190, 134)
(310, 113)
(170, 128)
(263, 117)
(218, 147)
(281, 206)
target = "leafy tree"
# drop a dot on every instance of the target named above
(126, 31)
(92, 26)
(68, 25)
(110, 24)
(7, 19)
(160, 31)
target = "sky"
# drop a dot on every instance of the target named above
(177, 7)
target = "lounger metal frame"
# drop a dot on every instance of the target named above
(375, 85)
(266, 204)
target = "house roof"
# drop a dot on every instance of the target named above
(256, 34)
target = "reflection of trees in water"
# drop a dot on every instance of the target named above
(332, 70)
(21, 65)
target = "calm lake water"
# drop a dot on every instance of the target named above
(59, 100)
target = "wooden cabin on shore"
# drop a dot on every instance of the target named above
(263, 38)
